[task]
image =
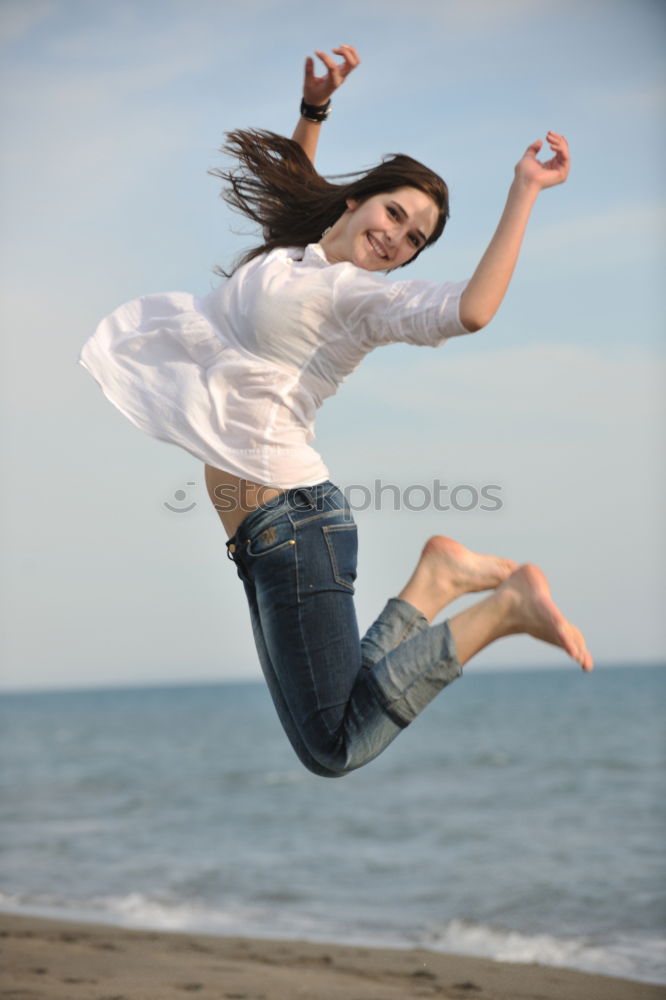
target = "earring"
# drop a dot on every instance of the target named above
(327, 230)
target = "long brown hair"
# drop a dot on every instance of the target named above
(275, 184)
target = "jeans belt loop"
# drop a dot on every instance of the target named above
(307, 493)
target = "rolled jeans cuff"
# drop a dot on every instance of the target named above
(403, 691)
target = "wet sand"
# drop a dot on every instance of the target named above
(57, 960)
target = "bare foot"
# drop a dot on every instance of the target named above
(531, 610)
(447, 570)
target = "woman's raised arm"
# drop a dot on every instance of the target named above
(317, 91)
(486, 289)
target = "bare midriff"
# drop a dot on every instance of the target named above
(234, 498)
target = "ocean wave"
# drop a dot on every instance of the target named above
(629, 957)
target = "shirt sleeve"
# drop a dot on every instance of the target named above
(425, 313)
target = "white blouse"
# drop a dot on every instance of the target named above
(236, 378)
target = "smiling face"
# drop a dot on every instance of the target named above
(384, 231)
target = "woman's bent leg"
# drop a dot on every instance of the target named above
(341, 701)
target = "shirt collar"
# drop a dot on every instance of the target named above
(313, 254)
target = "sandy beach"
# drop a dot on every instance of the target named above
(58, 960)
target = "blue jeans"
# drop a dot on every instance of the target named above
(341, 699)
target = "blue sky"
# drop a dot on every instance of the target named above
(111, 116)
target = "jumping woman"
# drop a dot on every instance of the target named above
(236, 378)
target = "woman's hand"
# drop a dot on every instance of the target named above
(318, 89)
(543, 175)
(487, 287)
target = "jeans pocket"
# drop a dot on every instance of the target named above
(342, 544)
(272, 538)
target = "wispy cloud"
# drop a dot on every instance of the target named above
(576, 400)
(18, 18)
(476, 14)
(535, 380)
(643, 224)
(646, 98)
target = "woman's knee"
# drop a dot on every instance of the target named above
(323, 757)
(330, 769)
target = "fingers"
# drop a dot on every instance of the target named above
(558, 144)
(340, 70)
(555, 139)
(318, 89)
(350, 56)
(329, 63)
(550, 172)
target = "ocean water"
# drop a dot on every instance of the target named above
(521, 817)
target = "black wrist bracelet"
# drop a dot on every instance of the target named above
(314, 112)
